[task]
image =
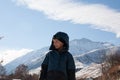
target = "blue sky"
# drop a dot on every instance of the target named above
(27, 25)
(30, 24)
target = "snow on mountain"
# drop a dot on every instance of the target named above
(84, 50)
(91, 71)
(29, 59)
(79, 65)
(79, 46)
(96, 56)
(37, 71)
(12, 54)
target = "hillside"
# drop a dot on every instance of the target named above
(84, 51)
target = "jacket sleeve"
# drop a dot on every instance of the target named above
(71, 68)
(44, 68)
(43, 74)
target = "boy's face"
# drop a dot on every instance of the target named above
(58, 44)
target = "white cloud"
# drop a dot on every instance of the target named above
(97, 15)
(9, 55)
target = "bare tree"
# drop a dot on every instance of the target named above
(111, 67)
(2, 70)
(21, 71)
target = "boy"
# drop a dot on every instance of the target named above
(58, 63)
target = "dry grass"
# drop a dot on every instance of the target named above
(111, 68)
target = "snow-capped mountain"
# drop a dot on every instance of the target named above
(87, 51)
(31, 58)
(79, 46)
(96, 56)
(93, 70)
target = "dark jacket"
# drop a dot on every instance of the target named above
(58, 65)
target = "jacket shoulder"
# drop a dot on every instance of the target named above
(69, 54)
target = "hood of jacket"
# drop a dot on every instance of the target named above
(64, 38)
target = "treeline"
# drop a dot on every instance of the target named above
(21, 72)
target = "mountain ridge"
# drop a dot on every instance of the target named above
(77, 47)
